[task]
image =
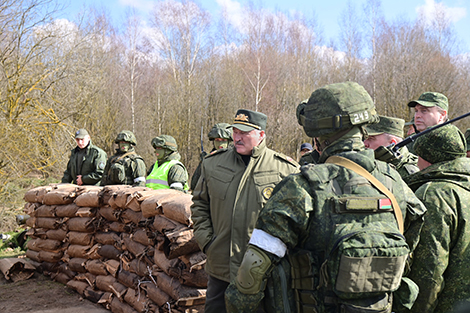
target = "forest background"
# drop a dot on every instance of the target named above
(188, 70)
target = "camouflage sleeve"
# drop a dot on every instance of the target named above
(177, 174)
(200, 213)
(414, 218)
(431, 256)
(99, 163)
(139, 172)
(285, 215)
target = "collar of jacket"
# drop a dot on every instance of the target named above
(257, 150)
(172, 156)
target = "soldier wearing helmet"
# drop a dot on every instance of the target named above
(167, 172)
(308, 214)
(221, 137)
(87, 161)
(125, 167)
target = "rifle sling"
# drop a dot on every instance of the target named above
(374, 181)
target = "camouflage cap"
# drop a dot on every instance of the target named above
(220, 130)
(443, 144)
(335, 107)
(247, 120)
(81, 133)
(431, 99)
(467, 138)
(390, 125)
(165, 141)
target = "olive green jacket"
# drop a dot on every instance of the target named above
(441, 260)
(92, 167)
(227, 200)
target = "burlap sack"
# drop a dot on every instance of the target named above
(129, 216)
(78, 286)
(86, 212)
(68, 210)
(78, 265)
(137, 197)
(196, 279)
(47, 222)
(31, 222)
(117, 306)
(44, 244)
(60, 195)
(112, 266)
(30, 208)
(109, 252)
(79, 238)
(137, 266)
(38, 233)
(138, 300)
(87, 277)
(121, 196)
(93, 295)
(138, 250)
(109, 214)
(65, 268)
(128, 279)
(163, 263)
(118, 227)
(86, 252)
(151, 206)
(108, 238)
(141, 237)
(56, 234)
(194, 261)
(107, 192)
(45, 211)
(179, 292)
(96, 267)
(110, 284)
(52, 257)
(89, 199)
(60, 278)
(164, 224)
(33, 255)
(182, 242)
(15, 269)
(48, 267)
(178, 208)
(156, 294)
(82, 224)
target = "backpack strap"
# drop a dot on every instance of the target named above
(123, 156)
(356, 168)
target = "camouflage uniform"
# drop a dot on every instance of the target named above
(125, 167)
(219, 130)
(310, 158)
(177, 175)
(440, 262)
(297, 218)
(406, 163)
(89, 162)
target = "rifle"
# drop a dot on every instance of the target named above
(202, 139)
(412, 138)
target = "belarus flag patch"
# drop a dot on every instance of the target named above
(385, 204)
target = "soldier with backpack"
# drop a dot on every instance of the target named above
(125, 167)
(347, 225)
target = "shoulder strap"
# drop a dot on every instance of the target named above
(364, 173)
(124, 155)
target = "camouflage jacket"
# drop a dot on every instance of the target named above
(441, 260)
(227, 201)
(310, 157)
(405, 165)
(177, 173)
(92, 165)
(133, 166)
(298, 210)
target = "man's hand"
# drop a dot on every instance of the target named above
(79, 180)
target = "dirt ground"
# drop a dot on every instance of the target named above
(40, 294)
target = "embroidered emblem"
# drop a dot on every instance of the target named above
(101, 165)
(242, 117)
(267, 192)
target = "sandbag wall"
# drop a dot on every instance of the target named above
(131, 249)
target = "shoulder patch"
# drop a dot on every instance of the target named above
(287, 159)
(216, 152)
(101, 165)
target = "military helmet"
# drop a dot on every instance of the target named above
(220, 130)
(165, 141)
(126, 135)
(335, 107)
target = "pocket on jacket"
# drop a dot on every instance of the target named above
(219, 184)
(265, 183)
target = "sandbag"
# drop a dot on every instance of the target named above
(87, 277)
(93, 295)
(30, 208)
(56, 234)
(107, 192)
(48, 256)
(137, 249)
(141, 237)
(77, 265)
(119, 227)
(78, 286)
(89, 199)
(15, 269)
(45, 211)
(33, 255)
(135, 199)
(182, 294)
(79, 238)
(128, 279)
(164, 224)
(109, 214)
(151, 206)
(117, 306)
(178, 208)
(194, 261)
(182, 242)
(189, 278)
(60, 195)
(129, 216)
(47, 222)
(61, 278)
(110, 284)
(112, 266)
(86, 252)
(86, 212)
(109, 252)
(82, 224)
(68, 210)
(96, 267)
(44, 244)
(121, 196)
(108, 238)
(163, 263)
(37, 233)
(156, 294)
(137, 266)
(138, 300)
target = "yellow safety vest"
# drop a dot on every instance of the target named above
(158, 178)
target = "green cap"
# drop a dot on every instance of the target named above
(443, 144)
(467, 138)
(81, 133)
(390, 125)
(247, 120)
(431, 99)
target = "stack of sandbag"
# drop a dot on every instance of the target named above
(131, 249)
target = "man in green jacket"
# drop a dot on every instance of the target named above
(167, 172)
(235, 184)
(125, 167)
(441, 260)
(331, 220)
(389, 131)
(87, 162)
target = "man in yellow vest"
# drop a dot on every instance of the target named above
(168, 172)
